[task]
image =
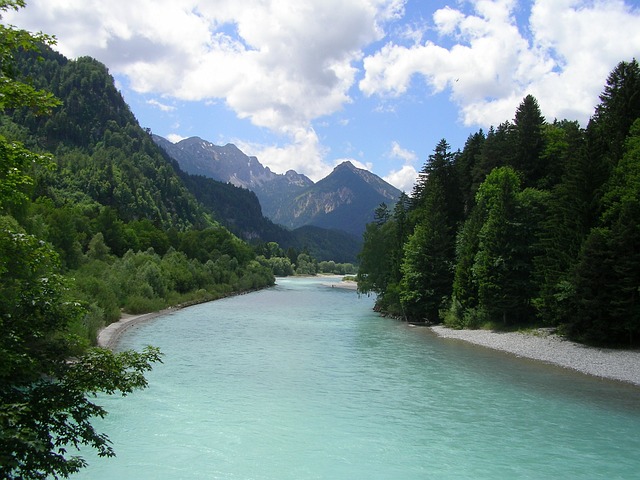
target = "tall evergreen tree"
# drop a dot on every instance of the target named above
(464, 296)
(498, 150)
(502, 266)
(607, 296)
(427, 271)
(464, 166)
(529, 142)
(402, 232)
(570, 217)
(619, 107)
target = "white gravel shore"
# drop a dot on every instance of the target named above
(622, 365)
(108, 337)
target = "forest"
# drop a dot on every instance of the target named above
(532, 223)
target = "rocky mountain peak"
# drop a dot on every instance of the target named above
(344, 200)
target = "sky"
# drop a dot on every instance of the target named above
(308, 84)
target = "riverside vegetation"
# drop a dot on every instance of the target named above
(94, 220)
(532, 222)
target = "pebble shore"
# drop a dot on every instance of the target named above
(544, 345)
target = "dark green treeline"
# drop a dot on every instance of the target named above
(531, 223)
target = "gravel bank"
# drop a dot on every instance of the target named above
(108, 337)
(622, 365)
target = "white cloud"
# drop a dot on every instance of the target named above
(275, 62)
(278, 63)
(403, 179)
(304, 154)
(562, 57)
(175, 138)
(398, 152)
(161, 106)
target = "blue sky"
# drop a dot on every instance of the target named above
(307, 84)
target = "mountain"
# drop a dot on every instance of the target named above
(229, 164)
(239, 210)
(344, 200)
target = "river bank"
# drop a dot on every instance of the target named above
(541, 345)
(545, 346)
(108, 336)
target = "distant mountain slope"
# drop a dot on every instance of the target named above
(239, 210)
(344, 200)
(103, 157)
(230, 165)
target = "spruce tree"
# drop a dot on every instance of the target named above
(607, 296)
(427, 271)
(529, 142)
(502, 265)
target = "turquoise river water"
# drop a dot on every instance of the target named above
(302, 381)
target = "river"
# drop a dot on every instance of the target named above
(302, 381)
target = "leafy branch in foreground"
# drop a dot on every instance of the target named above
(47, 379)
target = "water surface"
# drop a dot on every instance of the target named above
(302, 381)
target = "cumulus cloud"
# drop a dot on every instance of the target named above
(403, 178)
(278, 63)
(562, 56)
(161, 106)
(398, 152)
(304, 154)
(175, 138)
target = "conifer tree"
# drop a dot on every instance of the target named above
(464, 167)
(607, 296)
(619, 107)
(427, 271)
(529, 142)
(502, 266)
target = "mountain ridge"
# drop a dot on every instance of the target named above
(344, 200)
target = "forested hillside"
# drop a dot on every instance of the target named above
(129, 234)
(532, 222)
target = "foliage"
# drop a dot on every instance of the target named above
(532, 222)
(607, 276)
(47, 376)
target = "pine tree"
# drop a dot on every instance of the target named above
(619, 107)
(464, 167)
(498, 150)
(571, 214)
(502, 266)
(427, 271)
(607, 296)
(464, 298)
(529, 142)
